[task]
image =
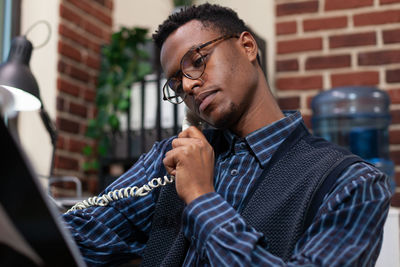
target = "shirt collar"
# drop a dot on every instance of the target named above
(266, 140)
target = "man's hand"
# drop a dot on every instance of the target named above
(191, 161)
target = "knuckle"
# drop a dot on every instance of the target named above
(174, 142)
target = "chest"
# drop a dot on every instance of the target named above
(235, 173)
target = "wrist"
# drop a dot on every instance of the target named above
(196, 194)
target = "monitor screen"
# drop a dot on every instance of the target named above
(31, 229)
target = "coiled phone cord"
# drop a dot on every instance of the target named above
(117, 194)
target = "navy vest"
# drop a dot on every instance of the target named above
(281, 205)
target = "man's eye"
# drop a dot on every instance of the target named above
(179, 89)
(198, 62)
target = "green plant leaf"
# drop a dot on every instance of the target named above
(124, 61)
(87, 150)
(86, 166)
(123, 104)
(144, 69)
(113, 121)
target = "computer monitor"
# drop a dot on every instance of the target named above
(31, 229)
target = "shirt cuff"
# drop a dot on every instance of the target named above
(203, 216)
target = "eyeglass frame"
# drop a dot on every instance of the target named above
(180, 71)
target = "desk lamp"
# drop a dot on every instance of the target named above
(16, 76)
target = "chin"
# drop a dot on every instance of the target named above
(224, 119)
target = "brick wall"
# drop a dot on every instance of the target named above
(84, 27)
(328, 43)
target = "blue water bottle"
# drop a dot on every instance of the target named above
(358, 118)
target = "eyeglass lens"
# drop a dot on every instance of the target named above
(192, 66)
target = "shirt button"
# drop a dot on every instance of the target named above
(234, 172)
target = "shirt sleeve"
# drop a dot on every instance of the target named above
(112, 234)
(346, 231)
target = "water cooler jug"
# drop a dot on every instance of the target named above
(357, 118)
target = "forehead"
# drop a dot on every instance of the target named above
(180, 41)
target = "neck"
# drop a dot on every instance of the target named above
(263, 111)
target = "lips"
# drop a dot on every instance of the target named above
(204, 99)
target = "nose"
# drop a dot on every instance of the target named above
(189, 84)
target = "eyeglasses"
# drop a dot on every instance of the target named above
(192, 66)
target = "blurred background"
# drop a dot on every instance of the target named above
(307, 47)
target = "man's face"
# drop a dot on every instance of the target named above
(222, 94)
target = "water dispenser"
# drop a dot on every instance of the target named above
(357, 118)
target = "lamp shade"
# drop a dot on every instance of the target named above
(16, 76)
(7, 103)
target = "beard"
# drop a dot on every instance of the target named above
(228, 119)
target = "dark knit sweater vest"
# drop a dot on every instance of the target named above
(281, 205)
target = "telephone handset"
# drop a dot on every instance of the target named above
(189, 119)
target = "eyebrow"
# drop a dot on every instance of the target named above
(175, 75)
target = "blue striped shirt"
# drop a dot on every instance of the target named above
(347, 229)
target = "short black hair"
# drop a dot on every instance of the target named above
(223, 19)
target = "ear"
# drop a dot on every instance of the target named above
(249, 45)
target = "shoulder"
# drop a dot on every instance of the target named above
(358, 184)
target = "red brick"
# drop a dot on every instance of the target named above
(324, 23)
(386, 2)
(73, 72)
(61, 142)
(78, 109)
(69, 51)
(395, 116)
(355, 78)
(105, 3)
(397, 178)
(395, 202)
(328, 62)
(70, 15)
(299, 83)
(296, 8)
(67, 87)
(94, 29)
(79, 38)
(73, 35)
(379, 57)
(307, 121)
(109, 4)
(67, 125)
(394, 95)
(393, 76)
(60, 103)
(287, 65)
(350, 40)
(299, 45)
(377, 18)
(92, 10)
(101, 2)
(346, 4)
(93, 79)
(93, 62)
(66, 163)
(289, 103)
(288, 27)
(395, 157)
(309, 101)
(76, 145)
(391, 36)
(394, 137)
(89, 95)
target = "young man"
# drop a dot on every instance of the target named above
(257, 189)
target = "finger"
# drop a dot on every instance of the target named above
(185, 141)
(169, 162)
(192, 132)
